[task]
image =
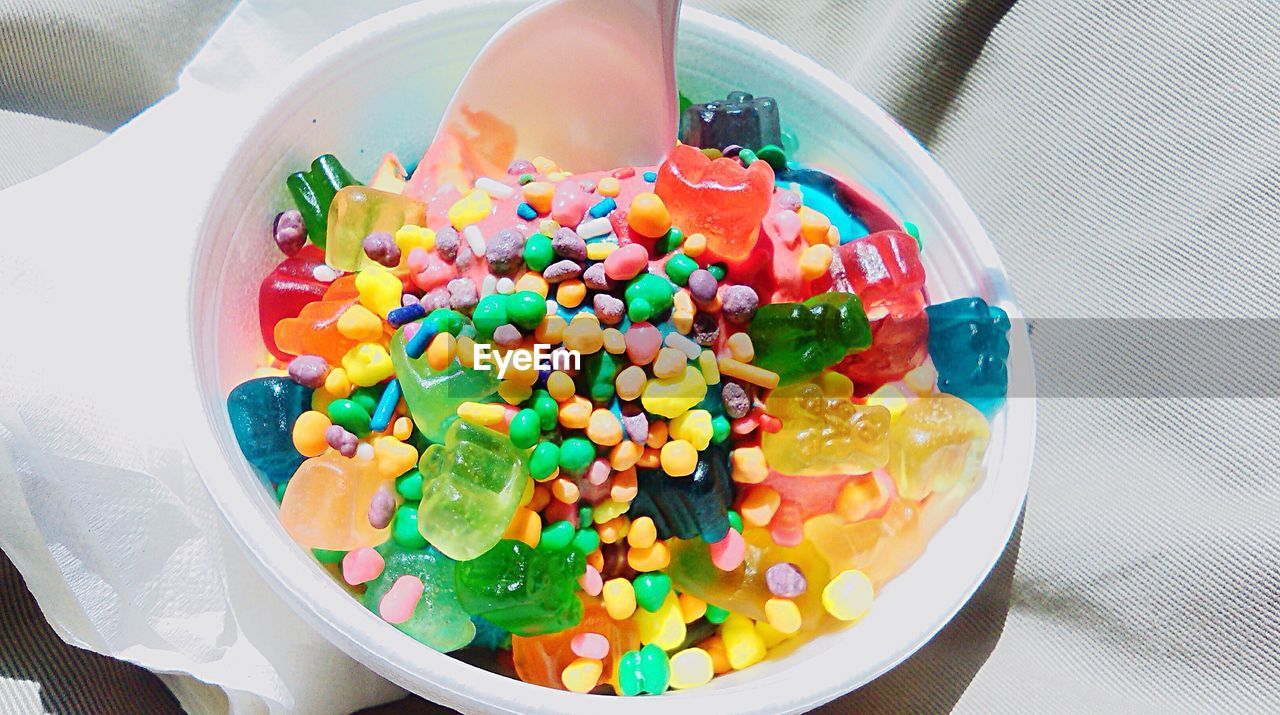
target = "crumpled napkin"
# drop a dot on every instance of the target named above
(100, 506)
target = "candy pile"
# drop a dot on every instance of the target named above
(630, 428)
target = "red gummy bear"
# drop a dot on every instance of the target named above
(286, 290)
(719, 199)
(884, 270)
(898, 346)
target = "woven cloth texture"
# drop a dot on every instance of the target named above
(1122, 157)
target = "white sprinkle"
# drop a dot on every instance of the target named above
(489, 285)
(684, 345)
(594, 227)
(505, 286)
(475, 239)
(494, 188)
(324, 274)
(364, 451)
(552, 307)
(408, 299)
(548, 227)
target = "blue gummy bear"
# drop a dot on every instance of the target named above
(262, 412)
(739, 118)
(969, 344)
(688, 507)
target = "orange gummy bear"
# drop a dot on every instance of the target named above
(326, 505)
(718, 199)
(541, 659)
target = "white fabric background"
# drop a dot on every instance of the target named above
(1122, 156)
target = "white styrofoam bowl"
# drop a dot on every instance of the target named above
(382, 86)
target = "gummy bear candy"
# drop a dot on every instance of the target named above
(800, 498)
(743, 590)
(433, 396)
(935, 444)
(327, 502)
(313, 191)
(262, 412)
(315, 331)
(541, 659)
(286, 290)
(691, 506)
(739, 118)
(525, 590)
(884, 270)
(898, 346)
(438, 620)
(800, 340)
(823, 431)
(471, 486)
(719, 199)
(969, 343)
(358, 211)
(880, 548)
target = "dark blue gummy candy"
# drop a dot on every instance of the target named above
(969, 344)
(262, 412)
(740, 118)
(687, 507)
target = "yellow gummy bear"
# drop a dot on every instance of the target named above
(356, 212)
(368, 364)
(472, 208)
(937, 444)
(379, 290)
(823, 432)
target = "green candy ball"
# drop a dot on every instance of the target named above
(576, 454)
(525, 428)
(489, 313)
(680, 267)
(537, 252)
(328, 556)
(547, 408)
(557, 536)
(545, 460)
(773, 155)
(409, 485)
(526, 309)
(350, 415)
(651, 590)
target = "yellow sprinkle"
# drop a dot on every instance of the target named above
(691, 607)
(472, 208)
(710, 370)
(608, 509)
(651, 558)
(409, 237)
(849, 595)
(582, 675)
(643, 533)
(570, 293)
(742, 644)
(513, 392)
(690, 668)
(619, 598)
(337, 383)
(922, 379)
(608, 186)
(815, 261)
(740, 347)
(614, 342)
(543, 165)
(749, 466)
(360, 324)
(560, 385)
(600, 250)
(783, 614)
(550, 330)
(813, 225)
(683, 320)
(479, 413)
(533, 282)
(749, 373)
(694, 245)
(442, 349)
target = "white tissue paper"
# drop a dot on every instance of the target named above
(101, 508)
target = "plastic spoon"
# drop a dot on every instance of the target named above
(588, 83)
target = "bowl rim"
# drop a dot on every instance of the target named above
(461, 685)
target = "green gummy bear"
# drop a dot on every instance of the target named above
(314, 190)
(471, 486)
(800, 340)
(439, 619)
(433, 396)
(525, 590)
